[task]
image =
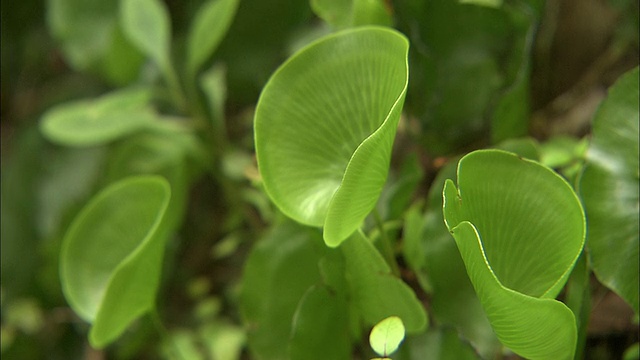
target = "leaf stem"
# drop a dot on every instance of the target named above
(387, 250)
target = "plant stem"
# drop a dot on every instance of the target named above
(387, 250)
(164, 334)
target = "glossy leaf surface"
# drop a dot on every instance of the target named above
(111, 255)
(609, 189)
(96, 122)
(208, 29)
(520, 229)
(325, 125)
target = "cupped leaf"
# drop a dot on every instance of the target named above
(96, 122)
(386, 336)
(376, 293)
(325, 125)
(520, 229)
(609, 189)
(209, 27)
(111, 256)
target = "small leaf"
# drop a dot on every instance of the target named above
(112, 254)
(146, 24)
(386, 336)
(519, 228)
(209, 27)
(609, 186)
(96, 122)
(325, 124)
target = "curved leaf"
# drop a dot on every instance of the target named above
(96, 122)
(325, 125)
(520, 229)
(111, 255)
(609, 189)
(209, 27)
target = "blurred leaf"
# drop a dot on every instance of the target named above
(22, 166)
(323, 147)
(561, 151)
(112, 253)
(578, 299)
(91, 38)
(98, 121)
(609, 188)
(320, 326)
(489, 3)
(280, 269)
(342, 14)
(525, 147)
(437, 344)
(386, 336)
(516, 282)
(213, 84)
(376, 293)
(224, 341)
(146, 24)
(459, 75)
(399, 189)
(208, 28)
(632, 353)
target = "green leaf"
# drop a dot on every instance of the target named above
(386, 336)
(609, 189)
(520, 229)
(435, 259)
(214, 85)
(342, 14)
(320, 326)
(376, 293)
(146, 24)
(488, 3)
(91, 39)
(208, 29)
(99, 121)
(112, 254)
(280, 269)
(442, 343)
(325, 124)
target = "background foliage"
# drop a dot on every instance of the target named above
(233, 272)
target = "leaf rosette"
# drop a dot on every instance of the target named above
(519, 228)
(325, 124)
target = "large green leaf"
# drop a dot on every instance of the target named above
(325, 125)
(208, 29)
(280, 269)
(112, 253)
(609, 189)
(520, 229)
(376, 292)
(98, 121)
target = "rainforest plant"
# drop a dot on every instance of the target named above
(383, 199)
